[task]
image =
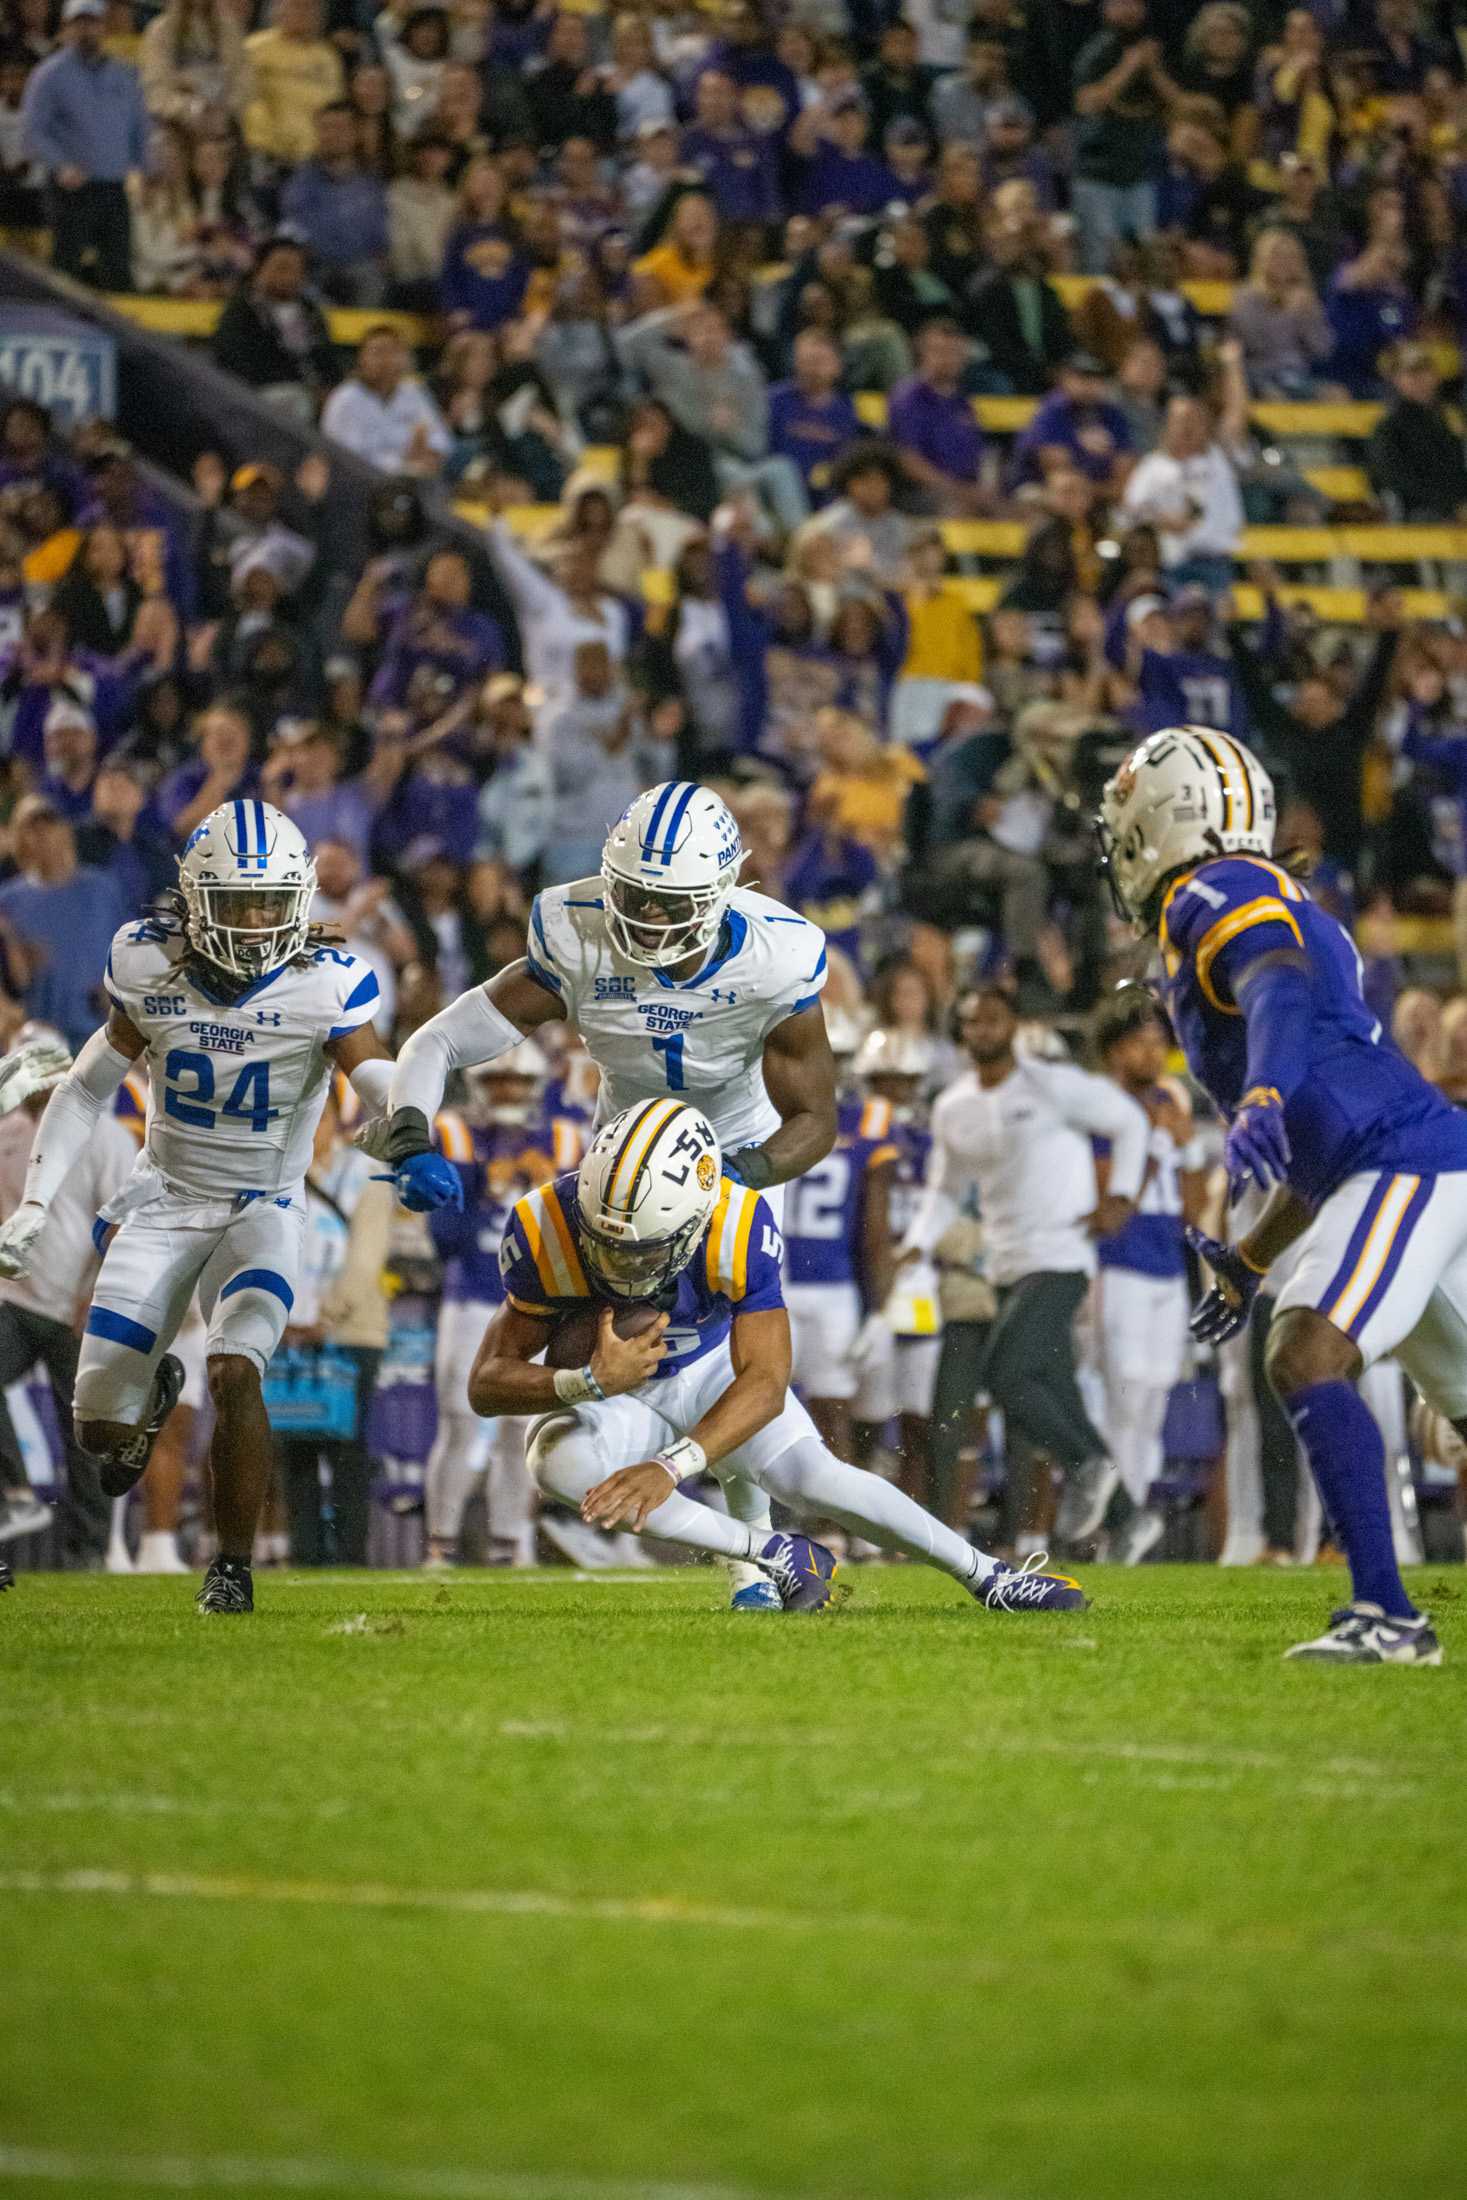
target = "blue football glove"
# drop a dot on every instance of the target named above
(425, 1181)
(1223, 1310)
(1258, 1143)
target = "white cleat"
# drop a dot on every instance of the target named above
(24, 1515)
(1361, 1634)
(1141, 1534)
(158, 1553)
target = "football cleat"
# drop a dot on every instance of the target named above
(1362, 1634)
(228, 1587)
(122, 1473)
(1027, 1589)
(7, 1574)
(756, 1596)
(1087, 1492)
(802, 1571)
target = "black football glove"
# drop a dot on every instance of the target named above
(1221, 1312)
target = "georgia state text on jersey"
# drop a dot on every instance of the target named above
(236, 1087)
(735, 1269)
(1362, 1106)
(499, 1163)
(700, 1037)
(824, 1210)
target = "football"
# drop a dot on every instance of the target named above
(573, 1340)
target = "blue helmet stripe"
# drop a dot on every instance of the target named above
(262, 848)
(649, 838)
(669, 845)
(240, 836)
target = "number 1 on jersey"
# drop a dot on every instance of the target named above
(671, 1045)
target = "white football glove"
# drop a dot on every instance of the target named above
(871, 1342)
(18, 1235)
(32, 1068)
(372, 1137)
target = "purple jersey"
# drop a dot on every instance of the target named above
(498, 1163)
(735, 1269)
(1362, 1105)
(825, 1209)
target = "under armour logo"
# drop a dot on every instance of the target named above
(268, 1016)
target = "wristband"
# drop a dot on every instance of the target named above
(753, 1167)
(682, 1458)
(1260, 1096)
(576, 1386)
(1251, 1265)
(407, 1134)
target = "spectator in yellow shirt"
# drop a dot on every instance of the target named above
(944, 649)
(682, 266)
(862, 788)
(295, 73)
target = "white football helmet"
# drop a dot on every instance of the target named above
(247, 881)
(668, 867)
(1185, 795)
(644, 1196)
(504, 1091)
(897, 1065)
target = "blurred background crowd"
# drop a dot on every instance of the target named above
(883, 416)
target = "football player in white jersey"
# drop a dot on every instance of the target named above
(682, 983)
(243, 1013)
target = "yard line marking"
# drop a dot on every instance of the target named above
(460, 1901)
(61, 1802)
(233, 2172)
(1179, 1934)
(1200, 1757)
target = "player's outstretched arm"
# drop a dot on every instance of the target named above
(65, 1130)
(482, 1023)
(761, 1355)
(799, 1076)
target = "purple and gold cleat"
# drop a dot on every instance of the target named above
(1028, 1588)
(801, 1570)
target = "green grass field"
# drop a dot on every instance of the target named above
(542, 1888)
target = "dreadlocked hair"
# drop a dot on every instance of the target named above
(169, 916)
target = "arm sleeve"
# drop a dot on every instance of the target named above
(1278, 1003)
(71, 1116)
(469, 1030)
(372, 1084)
(1096, 1106)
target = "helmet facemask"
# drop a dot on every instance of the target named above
(656, 927)
(627, 1267)
(248, 931)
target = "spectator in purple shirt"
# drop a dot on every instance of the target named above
(485, 273)
(837, 172)
(303, 777)
(221, 770)
(43, 666)
(811, 418)
(932, 424)
(1079, 423)
(340, 209)
(440, 647)
(737, 167)
(26, 456)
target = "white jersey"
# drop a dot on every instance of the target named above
(701, 1037)
(236, 1087)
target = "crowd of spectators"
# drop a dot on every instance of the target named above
(694, 241)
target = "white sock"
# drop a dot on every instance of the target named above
(454, 1466)
(811, 1479)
